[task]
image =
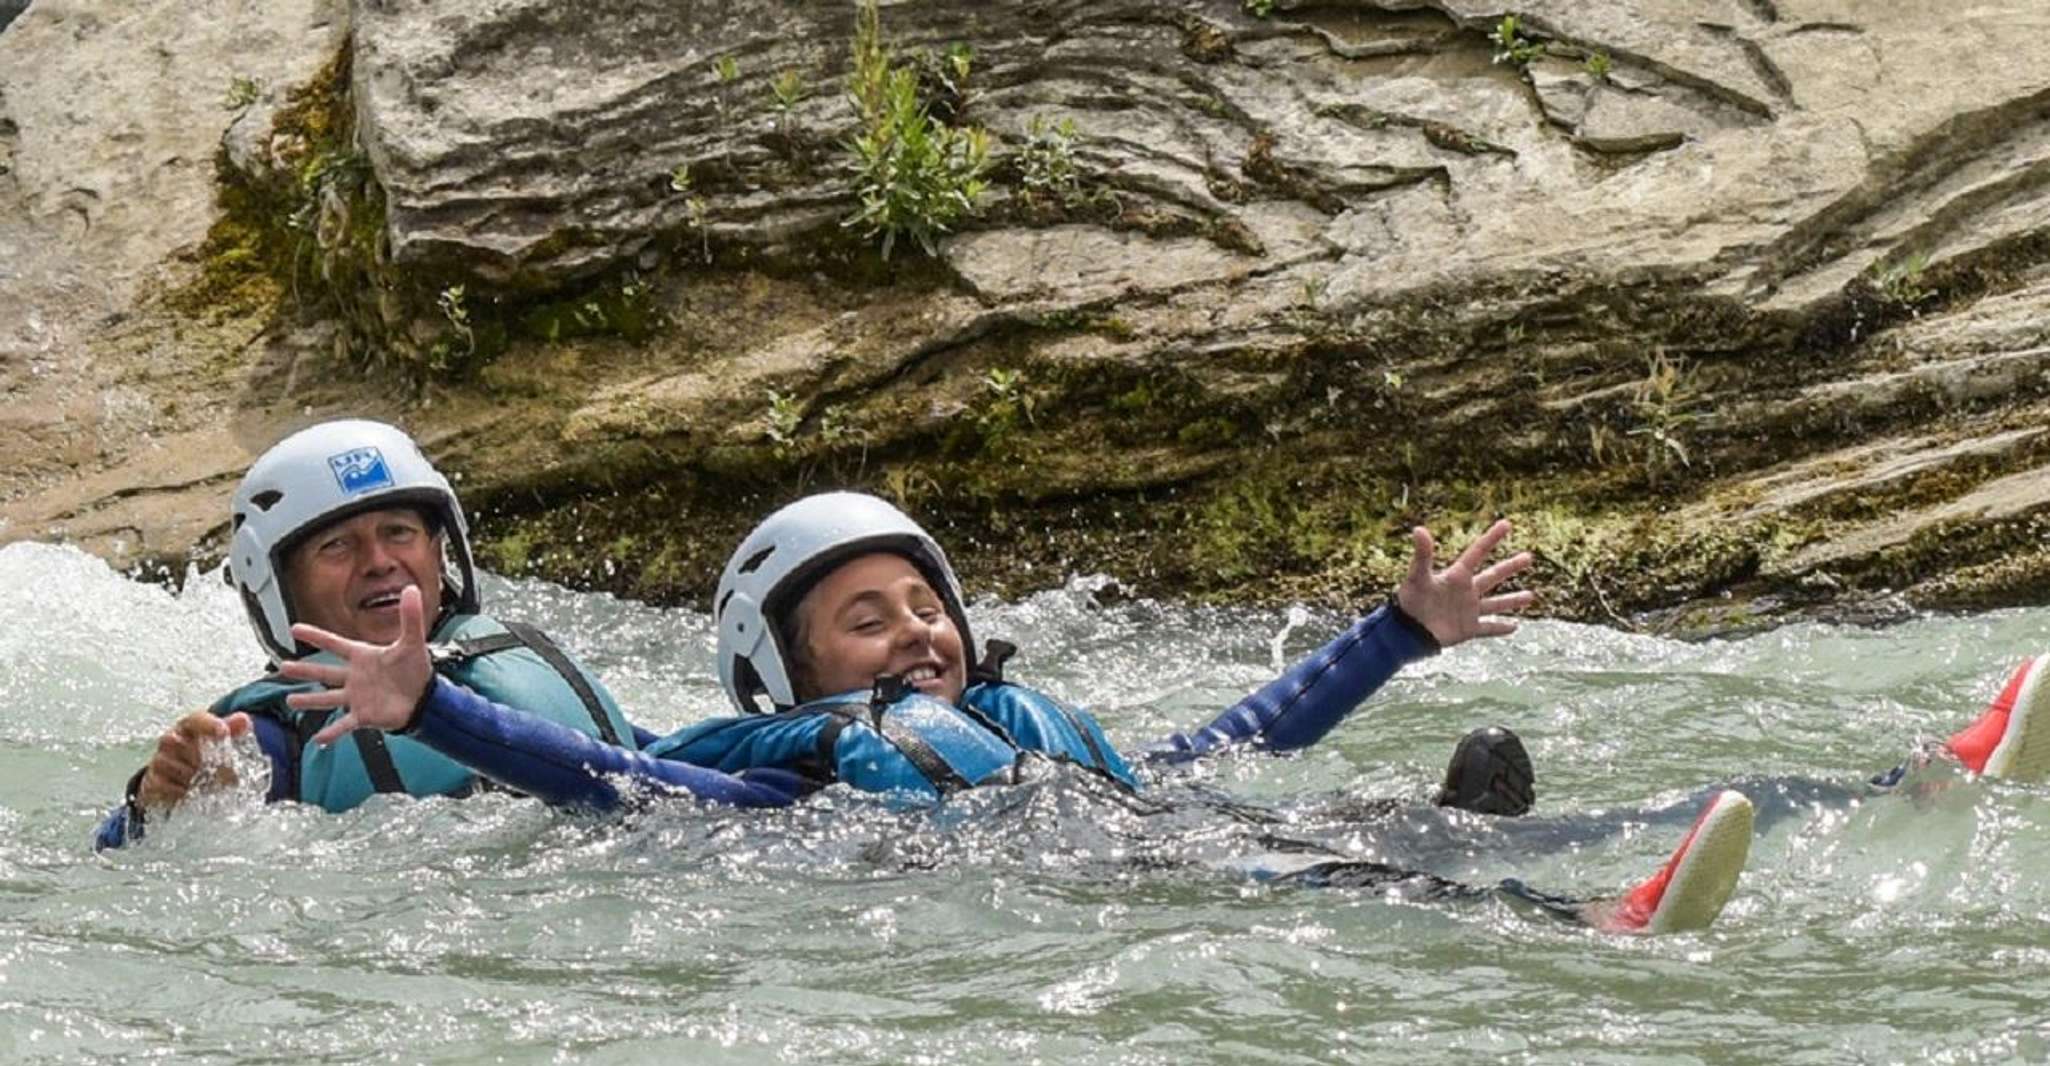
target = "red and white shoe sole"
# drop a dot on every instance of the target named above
(1690, 891)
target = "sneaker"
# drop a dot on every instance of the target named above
(1490, 773)
(2012, 738)
(1692, 887)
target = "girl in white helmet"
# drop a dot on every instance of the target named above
(845, 616)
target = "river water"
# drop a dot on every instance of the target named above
(1046, 922)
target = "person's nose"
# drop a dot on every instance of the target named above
(378, 557)
(914, 632)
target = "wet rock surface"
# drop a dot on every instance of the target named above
(1736, 304)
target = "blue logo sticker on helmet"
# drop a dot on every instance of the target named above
(360, 471)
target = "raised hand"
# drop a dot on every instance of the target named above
(1452, 603)
(171, 770)
(378, 685)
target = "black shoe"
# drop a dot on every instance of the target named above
(1490, 774)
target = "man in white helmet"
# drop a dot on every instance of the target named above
(329, 527)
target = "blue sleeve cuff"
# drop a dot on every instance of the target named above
(116, 831)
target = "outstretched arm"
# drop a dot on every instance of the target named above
(566, 768)
(1433, 609)
(393, 687)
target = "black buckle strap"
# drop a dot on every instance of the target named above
(464, 650)
(553, 656)
(887, 691)
(923, 755)
(995, 653)
(377, 761)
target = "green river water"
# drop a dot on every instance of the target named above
(1044, 923)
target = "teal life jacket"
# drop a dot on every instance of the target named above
(905, 742)
(507, 662)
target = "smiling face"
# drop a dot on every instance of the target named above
(872, 616)
(346, 577)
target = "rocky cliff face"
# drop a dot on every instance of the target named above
(1735, 304)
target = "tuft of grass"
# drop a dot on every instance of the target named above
(1512, 46)
(916, 176)
(1664, 403)
(1005, 405)
(1901, 284)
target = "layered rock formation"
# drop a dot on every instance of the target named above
(1731, 301)
(125, 424)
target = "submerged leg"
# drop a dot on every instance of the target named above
(2011, 738)
(1687, 892)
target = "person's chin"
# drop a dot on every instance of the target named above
(378, 626)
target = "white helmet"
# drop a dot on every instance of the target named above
(319, 476)
(781, 560)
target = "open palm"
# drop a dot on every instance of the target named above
(1456, 603)
(378, 685)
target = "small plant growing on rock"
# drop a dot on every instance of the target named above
(727, 70)
(456, 310)
(694, 208)
(1046, 163)
(1005, 405)
(242, 92)
(1511, 46)
(916, 175)
(1048, 177)
(1259, 9)
(1598, 66)
(1663, 404)
(1900, 283)
(786, 414)
(907, 487)
(943, 81)
(787, 90)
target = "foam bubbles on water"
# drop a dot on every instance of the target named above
(90, 656)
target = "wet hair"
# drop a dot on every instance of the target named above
(791, 632)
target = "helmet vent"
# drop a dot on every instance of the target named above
(754, 562)
(267, 499)
(723, 601)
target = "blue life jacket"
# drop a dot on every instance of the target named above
(509, 662)
(896, 742)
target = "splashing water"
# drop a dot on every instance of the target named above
(1050, 922)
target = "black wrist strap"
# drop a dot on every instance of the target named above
(132, 798)
(1416, 629)
(419, 708)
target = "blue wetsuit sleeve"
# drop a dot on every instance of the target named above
(644, 737)
(124, 825)
(277, 747)
(115, 832)
(564, 767)
(1296, 709)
